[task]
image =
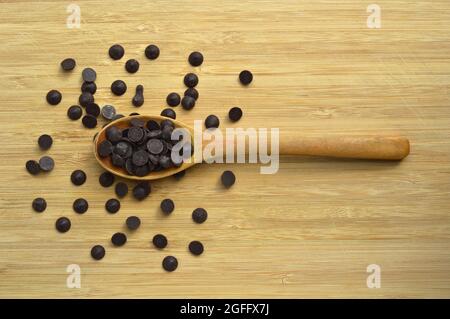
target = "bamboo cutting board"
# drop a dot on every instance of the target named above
(312, 229)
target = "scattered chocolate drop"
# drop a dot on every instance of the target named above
(195, 58)
(246, 77)
(54, 97)
(63, 224)
(39, 204)
(228, 179)
(138, 98)
(98, 252)
(159, 241)
(68, 64)
(119, 239)
(118, 87)
(133, 222)
(116, 52)
(132, 66)
(170, 263)
(152, 52)
(196, 247)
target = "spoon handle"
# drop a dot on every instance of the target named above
(357, 147)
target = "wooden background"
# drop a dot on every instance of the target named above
(308, 231)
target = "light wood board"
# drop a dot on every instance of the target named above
(308, 231)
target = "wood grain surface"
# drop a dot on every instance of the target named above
(310, 230)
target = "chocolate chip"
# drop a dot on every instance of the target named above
(45, 141)
(93, 109)
(170, 263)
(153, 125)
(155, 134)
(137, 122)
(124, 149)
(108, 112)
(195, 58)
(173, 99)
(165, 161)
(78, 177)
(113, 134)
(106, 179)
(167, 206)
(129, 167)
(46, 163)
(89, 121)
(68, 64)
(134, 113)
(74, 112)
(116, 52)
(153, 159)
(112, 206)
(196, 247)
(140, 158)
(141, 190)
(89, 75)
(105, 148)
(179, 175)
(188, 102)
(199, 215)
(159, 241)
(169, 113)
(152, 52)
(39, 204)
(166, 122)
(228, 179)
(235, 114)
(132, 66)
(119, 239)
(118, 87)
(62, 224)
(138, 98)
(90, 87)
(212, 121)
(135, 134)
(192, 92)
(141, 170)
(190, 80)
(121, 189)
(246, 77)
(54, 97)
(166, 133)
(117, 160)
(32, 167)
(80, 206)
(98, 252)
(155, 146)
(133, 222)
(85, 99)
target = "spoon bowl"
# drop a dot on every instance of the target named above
(124, 123)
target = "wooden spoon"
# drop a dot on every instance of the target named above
(356, 147)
